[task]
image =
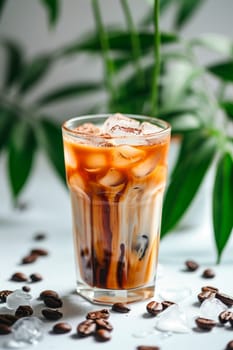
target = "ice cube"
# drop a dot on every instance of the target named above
(95, 162)
(175, 294)
(26, 331)
(125, 155)
(148, 128)
(112, 178)
(88, 128)
(173, 319)
(76, 182)
(17, 298)
(70, 157)
(211, 308)
(119, 119)
(146, 167)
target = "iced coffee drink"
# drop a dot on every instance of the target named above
(116, 170)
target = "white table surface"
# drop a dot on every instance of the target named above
(49, 212)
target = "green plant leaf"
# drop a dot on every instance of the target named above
(186, 179)
(53, 9)
(69, 91)
(6, 123)
(215, 42)
(33, 72)
(223, 70)
(185, 122)
(14, 61)
(223, 203)
(50, 139)
(20, 156)
(2, 4)
(148, 18)
(186, 9)
(228, 108)
(118, 41)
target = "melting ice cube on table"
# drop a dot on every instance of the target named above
(175, 294)
(173, 319)
(211, 308)
(17, 298)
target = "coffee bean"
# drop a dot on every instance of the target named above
(208, 273)
(4, 329)
(26, 289)
(167, 303)
(225, 299)
(61, 328)
(225, 316)
(36, 277)
(53, 302)
(209, 288)
(52, 315)
(145, 347)
(230, 345)
(48, 293)
(191, 265)
(86, 328)
(205, 295)
(102, 335)
(29, 259)
(94, 315)
(154, 307)
(8, 319)
(4, 294)
(102, 323)
(39, 251)
(23, 311)
(120, 307)
(205, 323)
(19, 277)
(39, 236)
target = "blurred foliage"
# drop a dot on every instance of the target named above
(200, 116)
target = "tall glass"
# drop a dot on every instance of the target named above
(116, 186)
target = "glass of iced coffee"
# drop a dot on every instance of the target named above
(116, 168)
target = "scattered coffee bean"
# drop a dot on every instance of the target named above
(23, 311)
(102, 335)
(4, 294)
(29, 259)
(145, 347)
(225, 299)
(191, 265)
(39, 251)
(205, 295)
(86, 328)
(209, 288)
(61, 328)
(8, 319)
(120, 307)
(52, 315)
(208, 273)
(154, 307)
(26, 289)
(4, 329)
(167, 303)
(102, 323)
(53, 302)
(39, 236)
(48, 293)
(205, 323)
(94, 315)
(225, 316)
(19, 277)
(230, 345)
(36, 277)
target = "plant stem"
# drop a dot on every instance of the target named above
(156, 72)
(135, 42)
(108, 64)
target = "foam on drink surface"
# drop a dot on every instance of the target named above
(116, 173)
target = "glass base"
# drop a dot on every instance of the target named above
(111, 296)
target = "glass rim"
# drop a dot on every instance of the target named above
(165, 126)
